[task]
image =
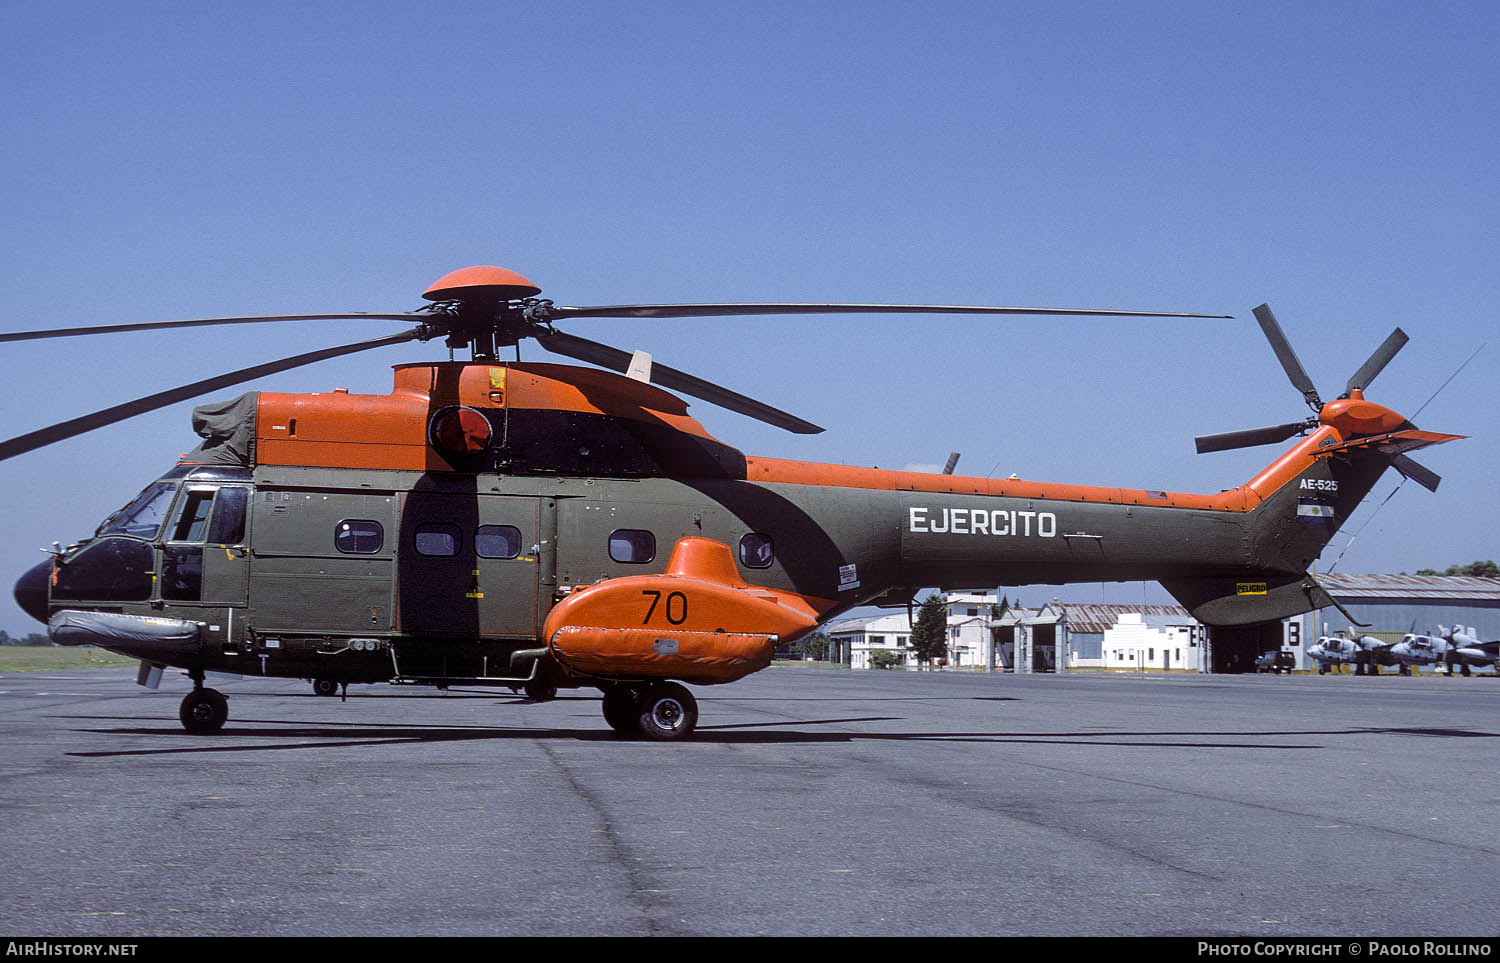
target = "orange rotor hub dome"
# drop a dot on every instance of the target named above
(482, 282)
(1354, 416)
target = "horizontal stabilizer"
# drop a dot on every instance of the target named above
(1394, 442)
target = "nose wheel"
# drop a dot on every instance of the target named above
(203, 711)
(661, 711)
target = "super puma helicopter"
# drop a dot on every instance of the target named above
(540, 525)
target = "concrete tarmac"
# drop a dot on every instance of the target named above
(810, 802)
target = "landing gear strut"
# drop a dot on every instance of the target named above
(660, 711)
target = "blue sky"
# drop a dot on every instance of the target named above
(169, 160)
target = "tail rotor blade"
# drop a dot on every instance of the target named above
(1248, 438)
(1288, 359)
(1423, 476)
(1376, 362)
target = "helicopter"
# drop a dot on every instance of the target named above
(541, 526)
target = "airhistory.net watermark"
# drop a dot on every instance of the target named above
(67, 948)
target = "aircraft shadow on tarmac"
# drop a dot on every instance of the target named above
(327, 735)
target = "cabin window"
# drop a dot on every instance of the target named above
(756, 550)
(437, 539)
(497, 541)
(633, 545)
(358, 536)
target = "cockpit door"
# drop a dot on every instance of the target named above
(204, 556)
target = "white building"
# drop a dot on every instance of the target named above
(861, 638)
(1168, 643)
(969, 639)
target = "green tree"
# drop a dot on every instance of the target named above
(884, 658)
(1485, 569)
(929, 637)
(816, 645)
(32, 638)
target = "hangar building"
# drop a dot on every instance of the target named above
(1392, 605)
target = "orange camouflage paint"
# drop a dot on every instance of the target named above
(392, 431)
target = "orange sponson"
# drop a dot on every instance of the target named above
(699, 622)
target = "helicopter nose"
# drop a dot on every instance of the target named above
(31, 591)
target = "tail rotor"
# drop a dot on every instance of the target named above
(1350, 412)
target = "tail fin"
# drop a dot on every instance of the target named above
(1305, 495)
(1304, 498)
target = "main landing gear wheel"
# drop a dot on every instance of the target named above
(325, 687)
(203, 711)
(622, 709)
(667, 712)
(541, 691)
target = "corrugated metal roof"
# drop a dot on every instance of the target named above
(1097, 618)
(1442, 587)
(896, 622)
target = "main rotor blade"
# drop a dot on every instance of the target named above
(1248, 438)
(1376, 362)
(616, 360)
(108, 416)
(555, 312)
(1287, 357)
(1420, 474)
(204, 322)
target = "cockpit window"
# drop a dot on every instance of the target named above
(141, 518)
(229, 517)
(192, 518)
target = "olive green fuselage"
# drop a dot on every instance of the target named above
(362, 575)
